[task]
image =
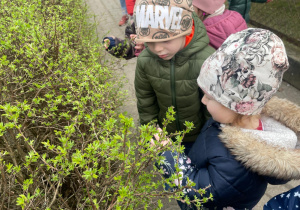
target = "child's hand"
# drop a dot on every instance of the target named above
(138, 45)
(106, 43)
(156, 136)
(132, 37)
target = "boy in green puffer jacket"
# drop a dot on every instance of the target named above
(166, 72)
(243, 6)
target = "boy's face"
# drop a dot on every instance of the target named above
(166, 50)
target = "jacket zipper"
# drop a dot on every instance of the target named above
(173, 91)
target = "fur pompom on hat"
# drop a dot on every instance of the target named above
(208, 6)
(245, 72)
(162, 20)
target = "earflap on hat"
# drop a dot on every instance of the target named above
(208, 6)
(162, 20)
(245, 72)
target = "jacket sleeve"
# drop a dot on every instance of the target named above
(237, 5)
(241, 6)
(187, 170)
(146, 98)
(124, 49)
(168, 166)
(130, 29)
(202, 177)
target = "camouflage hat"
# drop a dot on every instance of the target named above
(162, 20)
(245, 72)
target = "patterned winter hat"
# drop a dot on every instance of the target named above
(245, 71)
(162, 20)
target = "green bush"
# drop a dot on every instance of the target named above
(63, 144)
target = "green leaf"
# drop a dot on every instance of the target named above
(22, 200)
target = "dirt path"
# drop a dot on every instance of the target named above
(108, 14)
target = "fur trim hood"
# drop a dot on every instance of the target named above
(261, 157)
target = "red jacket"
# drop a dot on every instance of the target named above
(130, 6)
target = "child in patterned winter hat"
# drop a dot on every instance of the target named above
(245, 72)
(167, 69)
(250, 139)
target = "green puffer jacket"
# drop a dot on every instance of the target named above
(160, 84)
(243, 7)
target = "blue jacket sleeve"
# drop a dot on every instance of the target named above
(168, 165)
(224, 182)
(203, 177)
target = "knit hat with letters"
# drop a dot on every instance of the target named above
(245, 72)
(208, 6)
(162, 20)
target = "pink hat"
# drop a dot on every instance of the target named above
(208, 6)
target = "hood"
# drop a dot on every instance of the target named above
(261, 157)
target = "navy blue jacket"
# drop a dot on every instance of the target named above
(211, 163)
(231, 183)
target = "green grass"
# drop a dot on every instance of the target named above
(281, 15)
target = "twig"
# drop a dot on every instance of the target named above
(4, 184)
(177, 172)
(54, 197)
(104, 190)
(11, 153)
(89, 195)
(26, 143)
(51, 185)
